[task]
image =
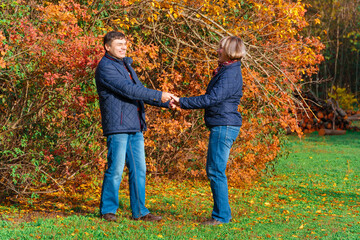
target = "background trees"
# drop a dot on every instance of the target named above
(50, 119)
(337, 23)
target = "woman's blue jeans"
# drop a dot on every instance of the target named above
(220, 142)
(125, 148)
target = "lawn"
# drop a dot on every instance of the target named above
(313, 193)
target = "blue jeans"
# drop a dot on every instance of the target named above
(125, 148)
(220, 142)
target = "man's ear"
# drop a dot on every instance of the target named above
(107, 47)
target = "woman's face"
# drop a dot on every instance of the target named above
(222, 55)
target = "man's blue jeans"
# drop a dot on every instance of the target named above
(220, 142)
(125, 148)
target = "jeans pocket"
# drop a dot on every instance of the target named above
(231, 134)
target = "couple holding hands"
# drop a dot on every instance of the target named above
(122, 97)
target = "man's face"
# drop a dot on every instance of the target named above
(117, 48)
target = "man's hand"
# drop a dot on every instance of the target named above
(167, 96)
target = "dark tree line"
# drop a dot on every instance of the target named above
(337, 23)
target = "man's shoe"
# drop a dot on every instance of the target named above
(110, 217)
(149, 217)
(212, 222)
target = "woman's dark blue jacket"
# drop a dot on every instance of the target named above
(221, 99)
(122, 98)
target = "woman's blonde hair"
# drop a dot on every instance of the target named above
(234, 47)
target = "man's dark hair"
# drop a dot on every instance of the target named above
(110, 36)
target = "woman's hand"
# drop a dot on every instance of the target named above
(174, 102)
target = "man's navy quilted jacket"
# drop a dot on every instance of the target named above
(221, 99)
(122, 98)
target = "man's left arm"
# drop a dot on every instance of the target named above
(158, 104)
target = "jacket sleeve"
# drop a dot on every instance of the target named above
(158, 104)
(110, 78)
(227, 84)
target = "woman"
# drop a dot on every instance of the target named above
(221, 102)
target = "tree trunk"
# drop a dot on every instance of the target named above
(324, 131)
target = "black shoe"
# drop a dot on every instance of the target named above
(149, 217)
(212, 222)
(109, 217)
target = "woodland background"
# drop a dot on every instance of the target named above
(50, 136)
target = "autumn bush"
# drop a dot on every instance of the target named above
(51, 133)
(49, 116)
(346, 100)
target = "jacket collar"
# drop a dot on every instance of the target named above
(222, 64)
(235, 64)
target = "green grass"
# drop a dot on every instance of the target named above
(313, 193)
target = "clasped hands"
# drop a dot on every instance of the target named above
(174, 100)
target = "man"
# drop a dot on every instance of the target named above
(122, 98)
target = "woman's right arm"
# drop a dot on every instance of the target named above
(226, 86)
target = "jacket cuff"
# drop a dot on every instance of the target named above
(157, 96)
(166, 105)
(182, 103)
